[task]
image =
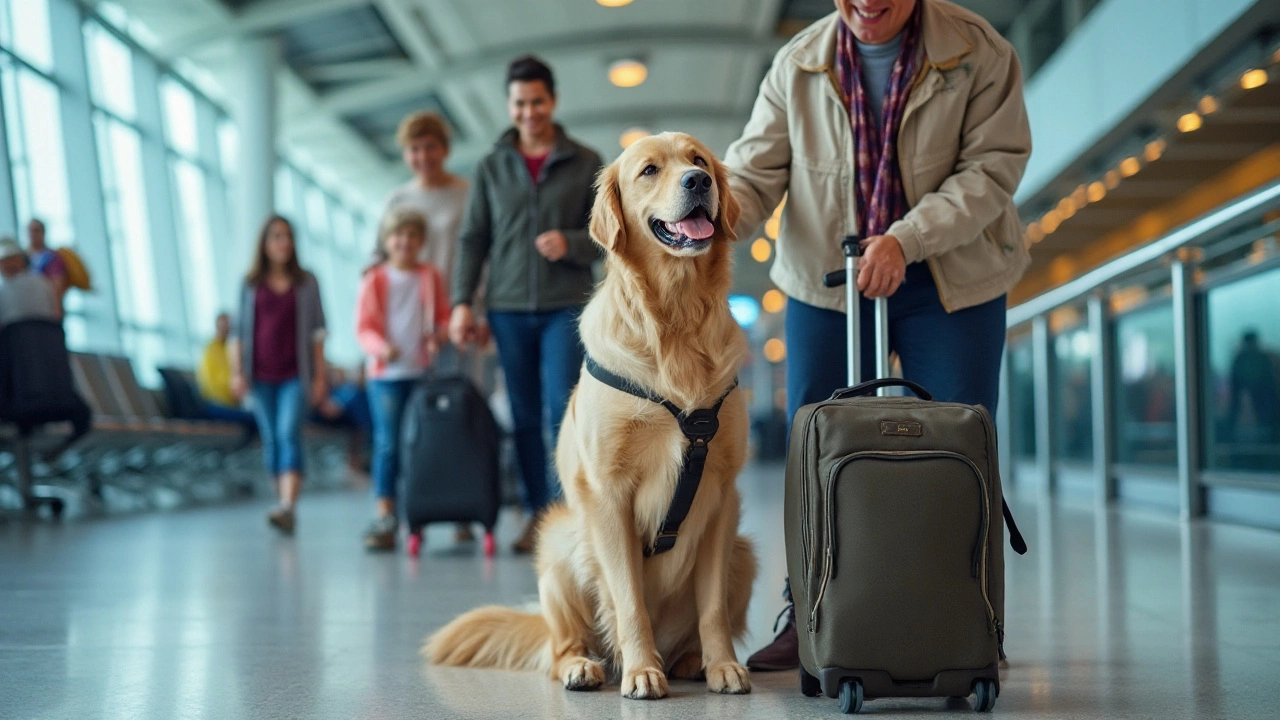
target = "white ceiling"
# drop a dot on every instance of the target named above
(352, 67)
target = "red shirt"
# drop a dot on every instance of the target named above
(275, 335)
(535, 163)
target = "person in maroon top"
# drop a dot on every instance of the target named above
(278, 358)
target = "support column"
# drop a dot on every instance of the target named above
(256, 118)
(1004, 423)
(1043, 402)
(1100, 372)
(1186, 386)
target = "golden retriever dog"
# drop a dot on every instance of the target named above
(660, 318)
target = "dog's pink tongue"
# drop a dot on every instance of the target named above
(696, 228)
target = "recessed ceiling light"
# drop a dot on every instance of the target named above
(632, 135)
(628, 73)
(614, 3)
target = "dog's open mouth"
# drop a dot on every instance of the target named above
(694, 230)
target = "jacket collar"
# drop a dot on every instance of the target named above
(563, 147)
(944, 41)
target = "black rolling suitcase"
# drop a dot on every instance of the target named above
(895, 537)
(449, 452)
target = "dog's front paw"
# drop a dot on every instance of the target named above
(582, 674)
(728, 679)
(644, 684)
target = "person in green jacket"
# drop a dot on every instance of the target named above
(527, 218)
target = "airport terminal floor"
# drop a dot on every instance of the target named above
(205, 613)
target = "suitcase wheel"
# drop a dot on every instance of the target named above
(490, 545)
(413, 545)
(984, 695)
(850, 696)
(809, 685)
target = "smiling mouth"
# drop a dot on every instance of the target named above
(868, 15)
(694, 230)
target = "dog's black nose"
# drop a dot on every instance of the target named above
(697, 182)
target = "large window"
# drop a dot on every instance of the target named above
(37, 157)
(24, 30)
(1022, 387)
(1144, 405)
(1242, 374)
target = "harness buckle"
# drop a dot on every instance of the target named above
(700, 426)
(663, 542)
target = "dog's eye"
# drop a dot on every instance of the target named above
(649, 170)
(697, 160)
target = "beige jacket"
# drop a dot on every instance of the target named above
(962, 148)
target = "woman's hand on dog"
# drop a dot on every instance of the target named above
(882, 267)
(552, 245)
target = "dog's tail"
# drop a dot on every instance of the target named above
(492, 637)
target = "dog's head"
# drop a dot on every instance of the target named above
(665, 193)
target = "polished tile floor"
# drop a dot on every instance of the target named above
(205, 614)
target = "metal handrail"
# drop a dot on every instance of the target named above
(1261, 201)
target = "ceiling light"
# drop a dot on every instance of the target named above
(1097, 191)
(1080, 197)
(1130, 167)
(1050, 222)
(761, 250)
(1154, 150)
(771, 227)
(1035, 233)
(614, 3)
(775, 351)
(773, 301)
(631, 136)
(1111, 179)
(1189, 122)
(628, 73)
(1067, 207)
(1208, 105)
(1253, 79)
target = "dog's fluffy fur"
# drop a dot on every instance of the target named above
(660, 318)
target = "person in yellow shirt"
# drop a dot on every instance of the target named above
(213, 376)
(214, 373)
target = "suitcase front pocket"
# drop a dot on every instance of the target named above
(902, 560)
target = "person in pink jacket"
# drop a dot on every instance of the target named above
(402, 316)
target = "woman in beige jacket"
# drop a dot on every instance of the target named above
(901, 122)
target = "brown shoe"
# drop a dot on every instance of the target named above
(784, 652)
(381, 534)
(462, 533)
(528, 541)
(282, 519)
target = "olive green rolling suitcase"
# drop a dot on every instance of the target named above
(895, 527)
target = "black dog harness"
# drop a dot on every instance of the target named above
(699, 426)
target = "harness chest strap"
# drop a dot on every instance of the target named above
(698, 426)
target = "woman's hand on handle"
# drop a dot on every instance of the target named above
(462, 326)
(882, 267)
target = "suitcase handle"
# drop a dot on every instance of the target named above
(870, 386)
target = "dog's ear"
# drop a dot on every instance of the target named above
(608, 227)
(730, 211)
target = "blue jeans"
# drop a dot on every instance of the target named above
(955, 356)
(541, 358)
(387, 399)
(278, 408)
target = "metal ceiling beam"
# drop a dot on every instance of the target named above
(409, 28)
(651, 40)
(357, 70)
(262, 16)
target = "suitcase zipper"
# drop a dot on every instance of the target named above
(980, 551)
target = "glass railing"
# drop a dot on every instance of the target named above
(1161, 367)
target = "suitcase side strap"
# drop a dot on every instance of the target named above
(1015, 537)
(698, 427)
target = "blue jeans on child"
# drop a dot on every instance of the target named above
(387, 399)
(955, 356)
(278, 408)
(541, 359)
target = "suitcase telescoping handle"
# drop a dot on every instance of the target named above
(852, 247)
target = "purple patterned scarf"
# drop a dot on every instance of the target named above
(881, 199)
